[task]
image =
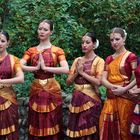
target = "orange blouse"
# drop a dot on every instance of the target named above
(57, 53)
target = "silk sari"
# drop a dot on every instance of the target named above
(85, 106)
(117, 111)
(45, 103)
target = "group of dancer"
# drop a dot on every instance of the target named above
(118, 118)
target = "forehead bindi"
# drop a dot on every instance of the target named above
(115, 35)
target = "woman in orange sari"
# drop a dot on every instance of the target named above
(86, 105)
(10, 73)
(117, 77)
(45, 104)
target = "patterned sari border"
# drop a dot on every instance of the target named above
(44, 132)
(7, 130)
(82, 108)
(111, 117)
(5, 105)
(43, 108)
(80, 133)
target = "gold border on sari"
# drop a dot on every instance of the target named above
(5, 105)
(80, 133)
(7, 130)
(44, 132)
(84, 107)
(122, 63)
(111, 117)
(43, 108)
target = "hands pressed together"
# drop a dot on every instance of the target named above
(41, 63)
(80, 66)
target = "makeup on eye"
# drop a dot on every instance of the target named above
(3, 41)
(86, 42)
(43, 29)
(114, 39)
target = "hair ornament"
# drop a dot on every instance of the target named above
(125, 33)
(97, 44)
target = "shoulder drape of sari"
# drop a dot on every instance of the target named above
(114, 69)
(6, 89)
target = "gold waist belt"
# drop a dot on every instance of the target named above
(44, 82)
(5, 85)
(88, 90)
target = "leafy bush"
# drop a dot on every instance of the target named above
(22, 90)
(72, 19)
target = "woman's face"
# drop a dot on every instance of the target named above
(87, 44)
(44, 31)
(3, 43)
(117, 42)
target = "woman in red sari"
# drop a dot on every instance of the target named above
(45, 104)
(86, 105)
(135, 91)
(10, 73)
(117, 78)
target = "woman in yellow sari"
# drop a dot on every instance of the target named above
(117, 110)
(85, 106)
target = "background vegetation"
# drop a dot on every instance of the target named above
(72, 18)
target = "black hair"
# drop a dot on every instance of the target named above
(5, 34)
(50, 22)
(92, 35)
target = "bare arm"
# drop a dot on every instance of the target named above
(134, 90)
(133, 93)
(73, 73)
(64, 68)
(71, 78)
(19, 78)
(92, 79)
(29, 68)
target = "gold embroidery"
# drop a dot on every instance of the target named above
(43, 132)
(88, 90)
(86, 106)
(7, 130)
(43, 108)
(80, 133)
(5, 105)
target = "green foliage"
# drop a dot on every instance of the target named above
(22, 90)
(102, 91)
(72, 19)
(62, 80)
